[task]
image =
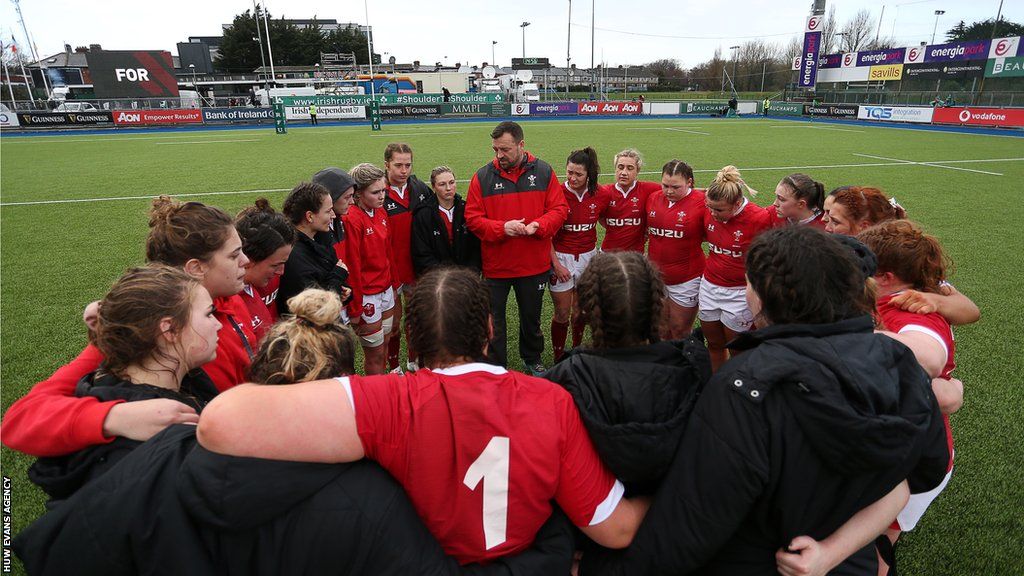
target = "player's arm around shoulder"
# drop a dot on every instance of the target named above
(307, 422)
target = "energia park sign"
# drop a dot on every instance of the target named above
(391, 99)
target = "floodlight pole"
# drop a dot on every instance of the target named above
(369, 48)
(270, 50)
(568, 48)
(523, 26)
(32, 50)
(259, 38)
(936, 26)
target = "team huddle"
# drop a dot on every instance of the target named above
(216, 423)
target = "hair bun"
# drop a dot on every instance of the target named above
(728, 174)
(320, 308)
(162, 209)
(263, 205)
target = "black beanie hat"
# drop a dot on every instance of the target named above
(336, 180)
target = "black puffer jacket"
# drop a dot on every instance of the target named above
(172, 508)
(430, 247)
(61, 476)
(312, 264)
(808, 426)
(635, 403)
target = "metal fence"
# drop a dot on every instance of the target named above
(920, 98)
(131, 104)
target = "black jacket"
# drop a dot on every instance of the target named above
(430, 247)
(635, 403)
(61, 476)
(312, 264)
(416, 190)
(173, 508)
(808, 426)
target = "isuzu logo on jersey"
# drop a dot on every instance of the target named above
(725, 251)
(623, 221)
(663, 233)
(577, 227)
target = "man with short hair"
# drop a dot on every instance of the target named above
(515, 205)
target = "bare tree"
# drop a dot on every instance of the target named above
(793, 49)
(828, 32)
(857, 31)
(752, 60)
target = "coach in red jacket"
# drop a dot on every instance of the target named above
(515, 205)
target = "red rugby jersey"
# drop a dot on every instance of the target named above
(623, 218)
(482, 452)
(400, 220)
(259, 315)
(728, 243)
(934, 325)
(368, 255)
(676, 231)
(578, 234)
(269, 295)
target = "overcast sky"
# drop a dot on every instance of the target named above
(627, 32)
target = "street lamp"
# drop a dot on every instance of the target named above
(523, 26)
(493, 44)
(842, 35)
(192, 69)
(934, 28)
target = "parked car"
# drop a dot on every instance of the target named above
(76, 107)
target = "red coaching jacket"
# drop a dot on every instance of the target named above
(530, 191)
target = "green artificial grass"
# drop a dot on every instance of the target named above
(56, 257)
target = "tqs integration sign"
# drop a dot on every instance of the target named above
(132, 73)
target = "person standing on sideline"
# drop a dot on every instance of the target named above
(405, 193)
(515, 205)
(312, 114)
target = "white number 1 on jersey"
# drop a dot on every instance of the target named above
(492, 468)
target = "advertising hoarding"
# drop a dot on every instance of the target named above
(1008, 117)
(915, 114)
(132, 73)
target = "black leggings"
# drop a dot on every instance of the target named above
(529, 291)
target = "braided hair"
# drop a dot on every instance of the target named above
(448, 316)
(620, 296)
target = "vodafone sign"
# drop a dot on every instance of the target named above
(612, 108)
(979, 116)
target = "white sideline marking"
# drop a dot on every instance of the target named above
(675, 130)
(932, 164)
(690, 131)
(821, 128)
(204, 142)
(149, 197)
(390, 134)
(892, 162)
